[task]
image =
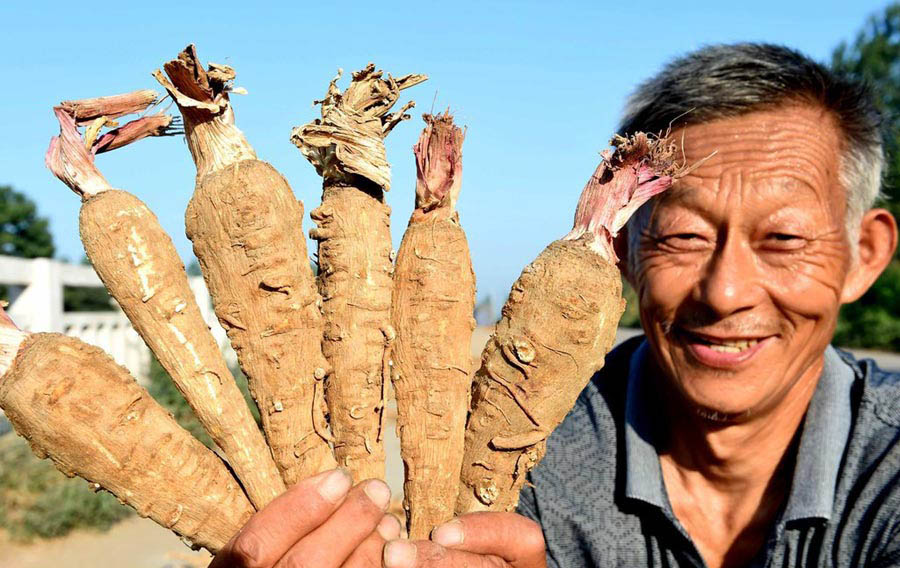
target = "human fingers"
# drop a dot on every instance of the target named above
(516, 539)
(332, 543)
(368, 554)
(273, 530)
(426, 554)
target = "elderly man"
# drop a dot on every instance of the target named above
(732, 434)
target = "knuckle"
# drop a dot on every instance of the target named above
(361, 502)
(532, 537)
(435, 553)
(364, 561)
(493, 562)
(294, 561)
(247, 551)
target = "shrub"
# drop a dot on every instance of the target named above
(166, 393)
(36, 500)
(872, 321)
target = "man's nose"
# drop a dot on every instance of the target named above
(730, 283)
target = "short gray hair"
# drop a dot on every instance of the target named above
(723, 81)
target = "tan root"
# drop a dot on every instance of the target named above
(245, 224)
(433, 301)
(556, 327)
(90, 417)
(346, 146)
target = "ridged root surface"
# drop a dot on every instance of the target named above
(434, 297)
(140, 267)
(245, 225)
(75, 405)
(355, 283)
(557, 326)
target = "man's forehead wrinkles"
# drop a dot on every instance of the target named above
(799, 146)
(804, 157)
(793, 172)
(731, 192)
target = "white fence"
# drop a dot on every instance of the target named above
(36, 304)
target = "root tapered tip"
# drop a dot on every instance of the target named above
(438, 163)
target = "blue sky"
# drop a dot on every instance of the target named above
(539, 86)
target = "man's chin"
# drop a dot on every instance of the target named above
(720, 395)
(722, 416)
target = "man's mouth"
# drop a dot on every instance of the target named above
(729, 346)
(721, 351)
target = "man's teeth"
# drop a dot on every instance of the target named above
(733, 346)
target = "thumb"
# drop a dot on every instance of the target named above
(512, 537)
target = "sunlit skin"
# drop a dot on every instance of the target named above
(750, 247)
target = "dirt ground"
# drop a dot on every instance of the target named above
(133, 543)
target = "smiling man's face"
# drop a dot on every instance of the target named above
(741, 268)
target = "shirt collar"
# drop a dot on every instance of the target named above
(643, 476)
(826, 429)
(821, 449)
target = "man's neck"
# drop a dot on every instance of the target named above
(727, 481)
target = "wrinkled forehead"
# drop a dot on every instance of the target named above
(782, 156)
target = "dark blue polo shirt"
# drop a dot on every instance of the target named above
(601, 501)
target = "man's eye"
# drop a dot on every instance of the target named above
(683, 241)
(784, 241)
(683, 237)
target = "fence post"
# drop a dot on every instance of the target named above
(40, 305)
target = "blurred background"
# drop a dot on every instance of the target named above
(540, 87)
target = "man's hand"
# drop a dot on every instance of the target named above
(319, 522)
(478, 540)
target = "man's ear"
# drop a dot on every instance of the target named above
(875, 249)
(620, 246)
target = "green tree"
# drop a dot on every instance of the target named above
(874, 56)
(22, 232)
(193, 268)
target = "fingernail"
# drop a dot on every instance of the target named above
(388, 527)
(399, 554)
(335, 485)
(448, 534)
(378, 492)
